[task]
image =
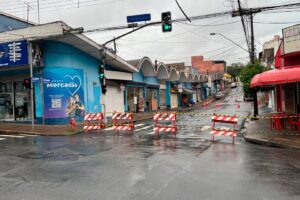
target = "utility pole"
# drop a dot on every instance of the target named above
(253, 55)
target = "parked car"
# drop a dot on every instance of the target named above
(233, 85)
(219, 95)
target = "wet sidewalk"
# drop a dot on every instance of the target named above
(61, 130)
(259, 132)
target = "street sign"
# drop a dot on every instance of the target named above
(138, 18)
(13, 53)
(46, 80)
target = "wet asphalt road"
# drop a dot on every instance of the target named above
(107, 166)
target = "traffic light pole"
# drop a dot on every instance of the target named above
(102, 99)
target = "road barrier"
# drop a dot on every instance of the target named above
(94, 121)
(227, 120)
(123, 121)
(166, 117)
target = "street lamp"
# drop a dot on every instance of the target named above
(230, 41)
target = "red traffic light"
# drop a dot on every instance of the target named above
(27, 83)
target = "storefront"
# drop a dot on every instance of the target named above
(152, 98)
(14, 99)
(174, 95)
(64, 75)
(135, 98)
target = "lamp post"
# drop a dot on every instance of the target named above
(230, 41)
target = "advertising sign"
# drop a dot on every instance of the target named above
(64, 95)
(291, 38)
(13, 54)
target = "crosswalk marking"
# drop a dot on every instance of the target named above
(2, 138)
(138, 125)
(13, 136)
(205, 128)
(146, 127)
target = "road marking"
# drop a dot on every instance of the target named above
(146, 127)
(27, 135)
(151, 133)
(205, 128)
(12, 136)
(2, 138)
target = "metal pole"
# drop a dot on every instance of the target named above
(31, 83)
(115, 46)
(38, 7)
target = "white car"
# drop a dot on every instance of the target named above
(219, 95)
(233, 85)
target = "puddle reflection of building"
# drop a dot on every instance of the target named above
(223, 150)
(162, 144)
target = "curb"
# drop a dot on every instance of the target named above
(270, 143)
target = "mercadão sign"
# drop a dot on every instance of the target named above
(13, 53)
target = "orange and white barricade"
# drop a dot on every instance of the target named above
(94, 121)
(123, 121)
(225, 119)
(167, 117)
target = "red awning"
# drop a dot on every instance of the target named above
(276, 76)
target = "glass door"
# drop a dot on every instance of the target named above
(22, 101)
(6, 101)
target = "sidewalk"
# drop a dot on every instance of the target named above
(258, 132)
(61, 130)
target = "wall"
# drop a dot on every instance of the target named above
(206, 66)
(57, 55)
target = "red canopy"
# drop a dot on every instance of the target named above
(276, 76)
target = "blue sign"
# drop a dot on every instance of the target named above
(138, 18)
(64, 95)
(13, 53)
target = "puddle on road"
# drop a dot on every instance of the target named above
(51, 156)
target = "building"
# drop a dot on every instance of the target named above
(64, 70)
(284, 79)
(269, 50)
(214, 69)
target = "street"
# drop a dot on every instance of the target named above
(110, 166)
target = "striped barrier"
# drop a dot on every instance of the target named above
(94, 121)
(127, 121)
(167, 117)
(224, 132)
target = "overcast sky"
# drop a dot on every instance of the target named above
(186, 39)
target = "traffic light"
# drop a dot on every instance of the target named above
(166, 21)
(102, 79)
(27, 83)
(101, 72)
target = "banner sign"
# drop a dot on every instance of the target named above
(291, 38)
(13, 53)
(64, 95)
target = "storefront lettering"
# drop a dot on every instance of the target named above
(64, 85)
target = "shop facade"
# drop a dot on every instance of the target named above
(63, 72)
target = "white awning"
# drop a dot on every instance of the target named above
(187, 91)
(116, 75)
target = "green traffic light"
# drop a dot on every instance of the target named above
(167, 27)
(101, 76)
